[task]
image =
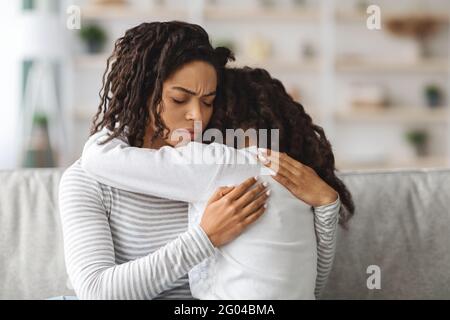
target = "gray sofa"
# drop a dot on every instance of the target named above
(401, 226)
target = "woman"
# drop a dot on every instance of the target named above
(122, 245)
(252, 100)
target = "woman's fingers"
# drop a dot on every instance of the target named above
(253, 216)
(241, 189)
(285, 181)
(275, 155)
(220, 193)
(225, 190)
(254, 206)
(279, 166)
(250, 195)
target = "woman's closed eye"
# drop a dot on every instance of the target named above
(177, 101)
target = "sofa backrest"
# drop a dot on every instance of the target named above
(401, 226)
(31, 244)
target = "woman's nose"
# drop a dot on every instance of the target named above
(194, 112)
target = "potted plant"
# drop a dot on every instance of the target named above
(418, 139)
(94, 36)
(39, 152)
(433, 95)
(267, 3)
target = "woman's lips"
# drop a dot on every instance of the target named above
(192, 133)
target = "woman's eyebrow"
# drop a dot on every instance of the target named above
(193, 93)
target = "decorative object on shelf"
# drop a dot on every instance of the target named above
(300, 4)
(39, 152)
(110, 2)
(420, 27)
(433, 95)
(43, 130)
(94, 37)
(362, 5)
(419, 140)
(267, 3)
(365, 96)
(259, 49)
(307, 50)
(157, 3)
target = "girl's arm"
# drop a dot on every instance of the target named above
(325, 222)
(189, 173)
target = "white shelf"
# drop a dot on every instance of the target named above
(213, 13)
(397, 114)
(277, 65)
(413, 163)
(358, 17)
(430, 65)
(99, 12)
(99, 61)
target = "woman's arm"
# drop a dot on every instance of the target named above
(189, 173)
(89, 249)
(325, 223)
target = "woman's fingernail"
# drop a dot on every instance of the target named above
(265, 205)
(256, 178)
(263, 159)
(265, 184)
(268, 192)
(262, 150)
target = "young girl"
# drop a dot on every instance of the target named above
(277, 257)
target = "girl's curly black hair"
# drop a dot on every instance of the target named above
(142, 60)
(251, 98)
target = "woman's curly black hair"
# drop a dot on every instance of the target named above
(251, 98)
(142, 60)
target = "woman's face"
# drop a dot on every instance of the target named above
(188, 96)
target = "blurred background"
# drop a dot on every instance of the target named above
(381, 94)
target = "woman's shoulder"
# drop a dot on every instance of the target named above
(75, 178)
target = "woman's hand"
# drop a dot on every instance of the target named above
(231, 209)
(302, 181)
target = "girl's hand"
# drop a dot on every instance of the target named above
(232, 209)
(302, 181)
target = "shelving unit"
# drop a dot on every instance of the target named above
(435, 65)
(397, 115)
(318, 77)
(102, 12)
(261, 14)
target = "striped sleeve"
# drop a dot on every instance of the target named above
(326, 219)
(89, 249)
